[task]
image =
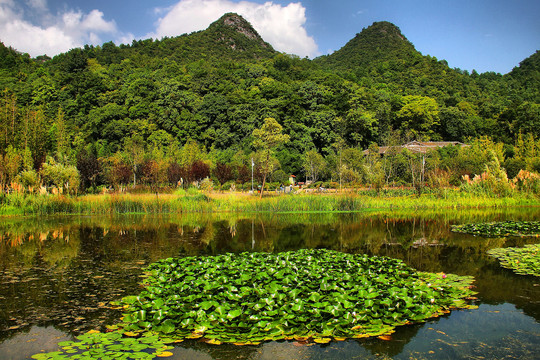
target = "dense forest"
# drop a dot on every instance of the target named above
(158, 111)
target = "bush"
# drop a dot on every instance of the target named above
(29, 179)
(528, 182)
(207, 184)
(280, 176)
(331, 185)
(271, 186)
(487, 185)
(315, 185)
(227, 186)
(513, 166)
(63, 177)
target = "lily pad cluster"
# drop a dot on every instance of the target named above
(523, 261)
(316, 295)
(503, 228)
(111, 345)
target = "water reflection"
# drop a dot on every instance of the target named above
(62, 272)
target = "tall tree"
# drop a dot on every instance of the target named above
(314, 163)
(267, 139)
(134, 153)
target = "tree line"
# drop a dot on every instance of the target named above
(146, 113)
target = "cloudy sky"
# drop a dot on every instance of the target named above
(486, 35)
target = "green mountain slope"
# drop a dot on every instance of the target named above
(215, 86)
(527, 77)
(380, 42)
(230, 38)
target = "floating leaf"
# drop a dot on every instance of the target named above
(523, 261)
(503, 228)
(328, 295)
(322, 340)
(164, 354)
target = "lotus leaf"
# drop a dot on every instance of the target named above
(503, 228)
(523, 261)
(319, 294)
(112, 345)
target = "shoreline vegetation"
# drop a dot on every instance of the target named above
(195, 201)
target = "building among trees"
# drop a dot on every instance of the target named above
(418, 146)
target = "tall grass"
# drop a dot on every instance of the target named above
(195, 202)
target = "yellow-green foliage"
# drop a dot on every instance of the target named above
(195, 202)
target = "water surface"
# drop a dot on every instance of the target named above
(58, 275)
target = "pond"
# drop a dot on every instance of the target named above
(58, 275)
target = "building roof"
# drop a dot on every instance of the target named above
(419, 146)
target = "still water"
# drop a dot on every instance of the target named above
(58, 275)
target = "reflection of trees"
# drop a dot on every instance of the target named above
(64, 271)
(402, 336)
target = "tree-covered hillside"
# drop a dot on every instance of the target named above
(212, 88)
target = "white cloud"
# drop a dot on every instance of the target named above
(281, 26)
(56, 33)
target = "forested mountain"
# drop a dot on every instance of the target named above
(214, 87)
(381, 42)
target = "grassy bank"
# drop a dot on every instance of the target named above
(19, 204)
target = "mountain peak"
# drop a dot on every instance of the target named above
(230, 37)
(381, 41)
(231, 24)
(241, 25)
(384, 29)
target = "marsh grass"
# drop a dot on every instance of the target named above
(199, 202)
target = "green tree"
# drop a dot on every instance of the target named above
(374, 172)
(339, 146)
(267, 139)
(12, 162)
(65, 178)
(61, 135)
(134, 151)
(420, 114)
(314, 163)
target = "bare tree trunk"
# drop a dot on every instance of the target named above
(262, 189)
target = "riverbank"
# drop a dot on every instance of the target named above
(209, 202)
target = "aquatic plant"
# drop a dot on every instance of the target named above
(503, 228)
(111, 345)
(307, 294)
(523, 261)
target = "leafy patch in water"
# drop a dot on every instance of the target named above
(503, 228)
(523, 261)
(112, 345)
(309, 294)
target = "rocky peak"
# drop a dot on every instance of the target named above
(241, 25)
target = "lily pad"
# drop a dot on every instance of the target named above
(313, 294)
(498, 229)
(523, 261)
(96, 345)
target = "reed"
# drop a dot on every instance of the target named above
(196, 202)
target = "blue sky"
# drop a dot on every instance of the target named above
(476, 34)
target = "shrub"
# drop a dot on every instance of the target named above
(280, 176)
(527, 181)
(513, 166)
(227, 186)
(29, 179)
(206, 184)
